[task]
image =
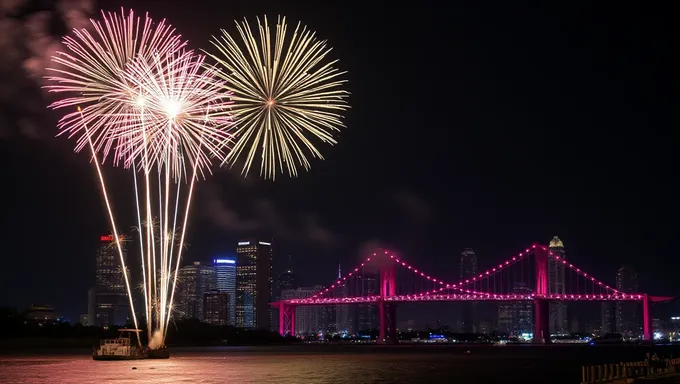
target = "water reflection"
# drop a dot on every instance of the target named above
(224, 365)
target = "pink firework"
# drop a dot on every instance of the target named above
(92, 71)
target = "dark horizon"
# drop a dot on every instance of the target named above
(483, 127)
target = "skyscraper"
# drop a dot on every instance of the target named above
(284, 281)
(225, 272)
(608, 316)
(627, 312)
(216, 307)
(468, 269)
(522, 311)
(193, 281)
(343, 322)
(253, 284)
(110, 295)
(557, 285)
(367, 314)
(516, 318)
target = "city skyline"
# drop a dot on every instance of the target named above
(514, 318)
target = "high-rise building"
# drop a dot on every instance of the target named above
(307, 318)
(225, 273)
(193, 281)
(111, 303)
(91, 305)
(505, 324)
(253, 284)
(557, 285)
(343, 320)
(468, 269)
(522, 311)
(608, 317)
(627, 312)
(367, 314)
(216, 307)
(286, 280)
(516, 318)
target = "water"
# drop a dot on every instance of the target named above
(318, 364)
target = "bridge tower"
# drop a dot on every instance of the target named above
(646, 320)
(541, 303)
(387, 311)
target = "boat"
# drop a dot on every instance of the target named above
(160, 353)
(120, 348)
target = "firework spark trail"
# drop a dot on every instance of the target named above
(117, 238)
(189, 127)
(153, 107)
(282, 93)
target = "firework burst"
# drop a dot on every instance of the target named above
(93, 72)
(284, 95)
(150, 105)
(183, 115)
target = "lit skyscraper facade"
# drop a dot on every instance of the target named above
(522, 311)
(628, 312)
(468, 269)
(367, 314)
(253, 284)
(516, 318)
(193, 281)
(225, 273)
(111, 303)
(557, 284)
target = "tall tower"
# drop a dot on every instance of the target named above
(468, 269)
(194, 281)
(627, 312)
(557, 285)
(253, 283)
(111, 304)
(225, 271)
(343, 322)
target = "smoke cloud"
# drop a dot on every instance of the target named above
(263, 216)
(30, 34)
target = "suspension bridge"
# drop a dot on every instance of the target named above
(523, 277)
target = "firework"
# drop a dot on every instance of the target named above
(284, 95)
(92, 70)
(150, 105)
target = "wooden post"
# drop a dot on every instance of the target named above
(584, 375)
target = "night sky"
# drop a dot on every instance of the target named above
(490, 127)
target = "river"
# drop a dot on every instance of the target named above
(314, 364)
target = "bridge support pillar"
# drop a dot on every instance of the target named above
(541, 304)
(388, 326)
(541, 321)
(647, 330)
(286, 319)
(387, 311)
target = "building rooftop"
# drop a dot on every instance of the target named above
(556, 243)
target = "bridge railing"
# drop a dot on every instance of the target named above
(611, 373)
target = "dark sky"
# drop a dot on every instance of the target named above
(488, 126)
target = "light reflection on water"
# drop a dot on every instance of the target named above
(227, 365)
